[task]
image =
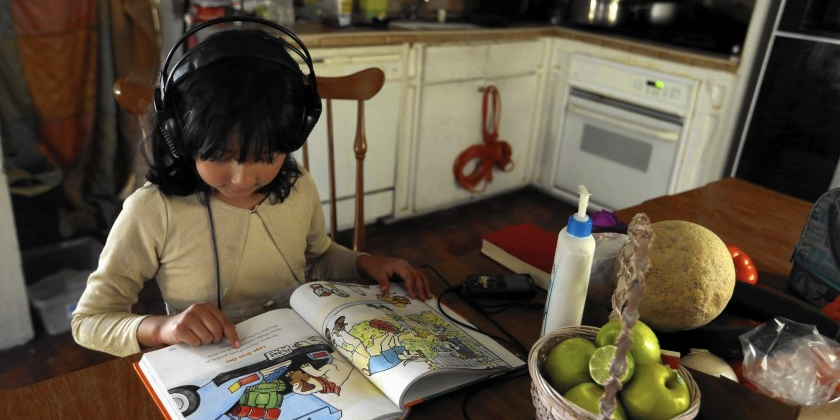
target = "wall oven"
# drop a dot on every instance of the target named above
(622, 132)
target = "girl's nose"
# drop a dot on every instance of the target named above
(242, 174)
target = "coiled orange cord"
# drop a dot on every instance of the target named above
(492, 152)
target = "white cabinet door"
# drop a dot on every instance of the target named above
(448, 123)
(381, 123)
(449, 115)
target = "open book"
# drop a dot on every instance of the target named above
(344, 351)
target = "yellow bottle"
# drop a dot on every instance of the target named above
(369, 9)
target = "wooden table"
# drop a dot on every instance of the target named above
(763, 223)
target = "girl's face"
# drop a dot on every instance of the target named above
(236, 182)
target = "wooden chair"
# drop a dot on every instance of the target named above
(135, 98)
(358, 87)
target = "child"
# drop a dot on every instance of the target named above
(228, 224)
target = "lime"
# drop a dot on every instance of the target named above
(599, 365)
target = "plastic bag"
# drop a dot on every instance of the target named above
(602, 277)
(792, 362)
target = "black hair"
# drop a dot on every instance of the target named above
(260, 100)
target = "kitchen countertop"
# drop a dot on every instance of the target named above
(317, 36)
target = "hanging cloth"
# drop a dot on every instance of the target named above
(491, 153)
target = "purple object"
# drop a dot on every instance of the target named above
(606, 221)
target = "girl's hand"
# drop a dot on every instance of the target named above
(382, 269)
(201, 323)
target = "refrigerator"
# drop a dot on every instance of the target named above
(791, 137)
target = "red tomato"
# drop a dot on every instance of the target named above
(745, 271)
(738, 367)
(832, 309)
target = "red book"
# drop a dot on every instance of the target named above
(523, 248)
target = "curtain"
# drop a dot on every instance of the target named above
(58, 63)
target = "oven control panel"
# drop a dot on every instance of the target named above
(634, 85)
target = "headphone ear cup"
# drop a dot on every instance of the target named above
(167, 125)
(311, 112)
(310, 118)
(169, 130)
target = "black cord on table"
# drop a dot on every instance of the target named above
(501, 307)
(510, 340)
(481, 308)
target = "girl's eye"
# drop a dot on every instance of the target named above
(221, 158)
(268, 159)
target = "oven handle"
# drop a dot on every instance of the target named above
(667, 135)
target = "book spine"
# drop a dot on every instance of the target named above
(151, 389)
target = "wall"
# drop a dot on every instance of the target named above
(14, 305)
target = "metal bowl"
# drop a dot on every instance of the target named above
(603, 13)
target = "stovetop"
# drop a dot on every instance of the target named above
(713, 42)
(705, 31)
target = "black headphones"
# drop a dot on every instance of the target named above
(235, 43)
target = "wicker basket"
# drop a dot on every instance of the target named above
(551, 405)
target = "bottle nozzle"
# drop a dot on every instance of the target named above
(583, 202)
(580, 224)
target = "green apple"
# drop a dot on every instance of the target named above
(656, 392)
(588, 397)
(645, 348)
(567, 364)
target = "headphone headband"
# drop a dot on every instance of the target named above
(166, 79)
(235, 43)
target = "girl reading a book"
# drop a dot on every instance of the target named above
(229, 224)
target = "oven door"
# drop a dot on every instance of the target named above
(623, 153)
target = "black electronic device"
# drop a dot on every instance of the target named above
(234, 44)
(501, 286)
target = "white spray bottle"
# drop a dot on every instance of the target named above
(571, 270)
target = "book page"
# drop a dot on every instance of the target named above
(282, 370)
(397, 341)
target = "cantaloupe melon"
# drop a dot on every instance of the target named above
(690, 277)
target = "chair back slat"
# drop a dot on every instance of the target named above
(359, 87)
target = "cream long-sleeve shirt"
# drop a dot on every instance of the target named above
(263, 255)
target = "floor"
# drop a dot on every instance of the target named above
(422, 240)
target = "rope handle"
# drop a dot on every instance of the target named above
(625, 301)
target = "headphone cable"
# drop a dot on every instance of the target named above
(215, 252)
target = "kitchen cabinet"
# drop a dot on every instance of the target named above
(381, 123)
(444, 114)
